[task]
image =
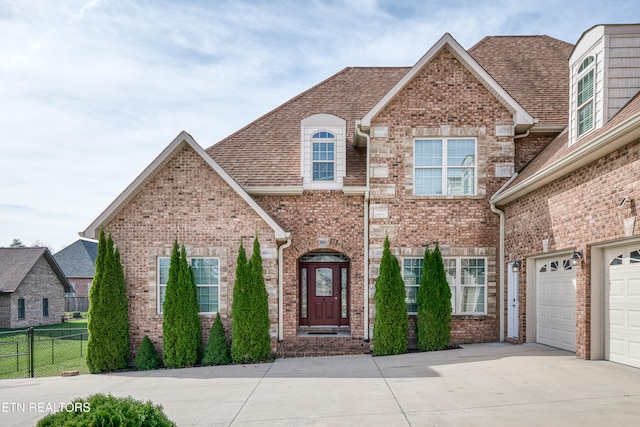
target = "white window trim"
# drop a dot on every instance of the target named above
(158, 285)
(579, 107)
(456, 290)
(323, 123)
(444, 167)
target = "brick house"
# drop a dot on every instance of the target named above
(570, 214)
(415, 153)
(32, 288)
(78, 263)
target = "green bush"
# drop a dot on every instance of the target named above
(107, 411)
(147, 357)
(181, 327)
(434, 304)
(250, 341)
(392, 321)
(108, 316)
(217, 351)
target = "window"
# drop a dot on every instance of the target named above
(207, 275)
(467, 280)
(585, 91)
(21, 308)
(323, 147)
(445, 167)
(45, 307)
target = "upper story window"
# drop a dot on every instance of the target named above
(445, 167)
(324, 149)
(585, 95)
(323, 152)
(207, 275)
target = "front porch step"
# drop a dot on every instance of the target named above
(322, 345)
(342, 331)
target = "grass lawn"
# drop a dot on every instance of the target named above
(52, 355)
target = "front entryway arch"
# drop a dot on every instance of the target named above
(323, 289)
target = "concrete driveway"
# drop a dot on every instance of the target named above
(478, 385)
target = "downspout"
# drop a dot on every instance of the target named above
(501, 282)
(281, 249)
(366, 237)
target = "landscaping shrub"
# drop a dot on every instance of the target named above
(434, 304)
(392, 321)
(108, 316)
(107, 411)
(250, 341)
(217, 351)
(181, 327)
(147, 357)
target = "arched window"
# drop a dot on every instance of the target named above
(585, 93)
(323, 159)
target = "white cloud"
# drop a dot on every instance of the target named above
(92, 91)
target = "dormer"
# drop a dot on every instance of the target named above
(604, 76)
(323, 152)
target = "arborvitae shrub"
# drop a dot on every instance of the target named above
(434, 304)
(147, 357)
(181, 327)
(101, 410)
(108, 324)
(217, 351)
(391, 322)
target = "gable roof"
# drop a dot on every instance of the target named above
(558, 158)
(534, 70)
(267, 151)
(522, 119)
(167, 154)
(78, 259)
(16, 263)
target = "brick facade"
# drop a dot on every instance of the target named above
(442, 100)
(575, 211)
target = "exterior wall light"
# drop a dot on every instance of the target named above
(576, 257)
(516, 266)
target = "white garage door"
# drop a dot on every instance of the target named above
(556, 302)
(622, 297)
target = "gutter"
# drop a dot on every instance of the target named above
(281, 249)
(366, 234)
(501, 281)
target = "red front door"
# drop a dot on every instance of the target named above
(323, 294)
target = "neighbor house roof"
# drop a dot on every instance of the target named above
(78, 259)
(167, 154)
(16, 263)
(559, 158)
(534, 70)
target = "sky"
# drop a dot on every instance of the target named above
(91, 91)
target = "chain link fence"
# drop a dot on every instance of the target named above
(43, 352)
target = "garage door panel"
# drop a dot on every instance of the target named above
(555, 303)
(622, 306)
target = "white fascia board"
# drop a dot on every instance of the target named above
(520, 115)
(167, 154)
(606, 143)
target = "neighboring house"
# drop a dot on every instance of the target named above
(422, 154)
(570, 214)
(78, 262)
(32, 288)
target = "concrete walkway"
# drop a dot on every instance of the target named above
(479, 385)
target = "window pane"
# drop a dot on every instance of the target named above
(208, 299)
(411, 272)
(472, 272)
(472, 299)
(303, 279)
(324, 282)
(323, 151)
(585, 88)
(428, 181)
(585, 118)
(343, 293)
(412, 299)
(205, 270)
(428, 152)
(162, 290)
(164, 270)
(460, 181)
(323, 171)
(461, 152)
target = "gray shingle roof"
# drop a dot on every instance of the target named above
(78, 259)
(16, 263)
